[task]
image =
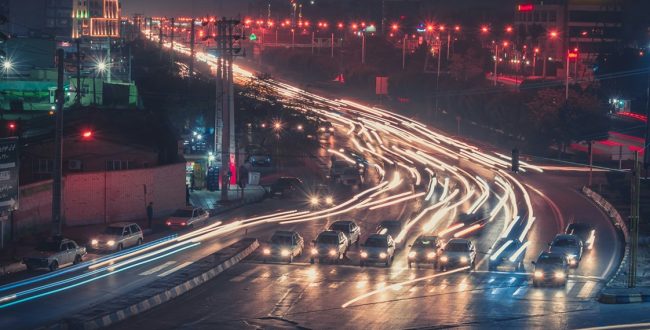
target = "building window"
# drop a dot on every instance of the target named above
(43, 166)
(117, 165)
(552, 16)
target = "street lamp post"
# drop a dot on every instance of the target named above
(404, 52)
(363, 47)
(496, 62)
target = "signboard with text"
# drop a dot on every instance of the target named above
(9, 174)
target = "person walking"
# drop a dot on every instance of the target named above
(149, 214)
(187, 195)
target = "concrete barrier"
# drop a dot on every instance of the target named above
(160, 292)
(623, 297)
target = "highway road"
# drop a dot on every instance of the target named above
(417, 175)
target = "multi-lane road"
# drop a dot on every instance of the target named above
(417, 175)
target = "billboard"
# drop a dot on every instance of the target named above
(9, 174)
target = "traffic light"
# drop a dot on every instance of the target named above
(515, 160)
(212, 180)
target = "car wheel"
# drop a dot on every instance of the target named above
(77, 259)
(30, 267)
(120, 247)
(139, 241)
(54, 266)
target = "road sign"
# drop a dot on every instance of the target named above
(8, 174)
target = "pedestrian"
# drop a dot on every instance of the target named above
(187, 195)
(192, 182)
(149, 214)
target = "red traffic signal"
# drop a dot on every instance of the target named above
(87, 134)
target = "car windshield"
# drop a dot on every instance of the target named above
(281, 239)
(182, 213)
(578, 231)
(546, 260)
(424, 243)
(376, 242)
(391, 226)
(328, 239)
(113, 231)
(564, 242)
(48, 246)
(344, 227)
(456, 247)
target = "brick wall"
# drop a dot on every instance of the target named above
(104, 197)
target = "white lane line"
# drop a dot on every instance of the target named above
(569, 286)
(181, 266)
(586, 290)
(243, 275)
(157, 268)
(520, 292)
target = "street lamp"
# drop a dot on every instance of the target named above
(7, 66)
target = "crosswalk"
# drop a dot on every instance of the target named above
(492, 285)
(164, 269)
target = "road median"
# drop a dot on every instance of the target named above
(160, 292)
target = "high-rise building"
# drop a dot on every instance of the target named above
(96, 18)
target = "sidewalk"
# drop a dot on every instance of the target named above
(211, 200)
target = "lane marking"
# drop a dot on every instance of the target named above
(243, 275)
(521, 291)
(181, 266)
(569, 286)
(586, 290)
(157, 268)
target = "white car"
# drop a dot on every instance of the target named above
(54, 253)
(329, 245)
(187, 218)
(458, 252)
(118, 236)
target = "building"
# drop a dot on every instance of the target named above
(542, 23)
(96, 18)
(96, 141)
(37, 18)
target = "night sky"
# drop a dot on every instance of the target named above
(184, 7)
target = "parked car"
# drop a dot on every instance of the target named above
(284, 245)
(287, 187)
(329, 245)
(507, 255)
(550, 268)
(118, 236)
(568, 245)
(425, 250)
(349, 228)
(458, 252)
(259, 157)
(54, 253)
(378, 248)
(584, 231)
(187, 218)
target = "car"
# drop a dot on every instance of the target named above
(259, 157)
(390, 227)
(54, 253)
(329, 245)
(584, 231)
(325, 128)
(286, 187)
(284, 244)
(568, 245)
(466, 225)
(425, 250)
(550, 268)
(458, 252)
(337, 168)
(349, 228)
(378, 248)
(321, 196)
(189, 217)
(507, 255)
(349, 177)
(118, 236)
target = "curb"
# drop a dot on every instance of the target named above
(629, 298)
(125, 311)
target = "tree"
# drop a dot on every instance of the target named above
(467, 66)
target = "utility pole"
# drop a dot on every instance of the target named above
(332, 46)
(438, 81)
(109, 61)
(363, 48)
(404, 53)
(496, 62)
(646, 157)
(566, 83)
(78, 100)
(192, 38)
(634, 221)
(591, 162)
(312, 43)
(448, 43)
(58, 148)
(171, 57)
(160, 35)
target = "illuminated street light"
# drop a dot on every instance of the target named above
(553, 34)
(7, 65)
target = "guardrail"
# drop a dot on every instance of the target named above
(609, 209)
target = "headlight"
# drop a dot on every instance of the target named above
(431, 255)
(267, 251)
(284, 253)
(331, 129)
(444, 259)
(314, 251)
(94, 242)
(329, 200)
(364, 254)
(383, 255)
(313, 201)
(332, 252)
(110, 243)
(464, 260)
(559, 275)
(412, 254)
(538, 274)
